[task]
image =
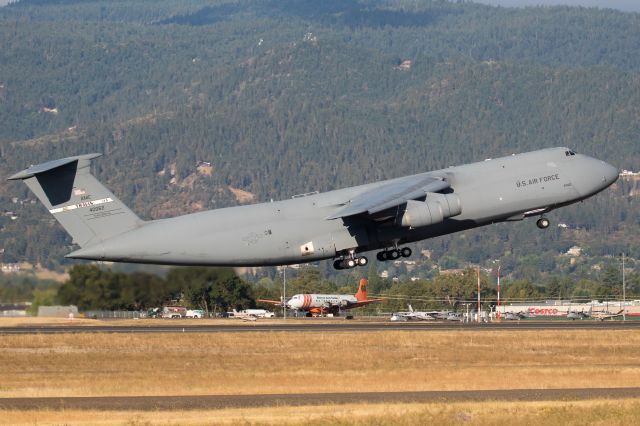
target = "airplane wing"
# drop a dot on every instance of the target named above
(390, 194)
(363, 303)
(425, 316)
(406, 315)
(273, 302)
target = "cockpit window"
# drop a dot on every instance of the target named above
(569, 152)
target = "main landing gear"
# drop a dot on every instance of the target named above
(393, 254)
(350, 262)
(543, 223)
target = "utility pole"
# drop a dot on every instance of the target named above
(624, 293)
(478, 314)
(498, 314)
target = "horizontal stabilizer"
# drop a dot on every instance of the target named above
(50, 165)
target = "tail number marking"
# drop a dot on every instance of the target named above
(81, 205)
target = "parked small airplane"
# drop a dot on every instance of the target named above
(511, 316)
(574, 315)
(417, 315)
(251, 314)
(338, 225)
(326, 303)
(603, 315)
(454, 316)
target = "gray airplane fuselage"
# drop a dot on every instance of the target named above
(298, 230)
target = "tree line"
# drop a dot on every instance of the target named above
(214, 290)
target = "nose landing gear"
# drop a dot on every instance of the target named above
(543, 223)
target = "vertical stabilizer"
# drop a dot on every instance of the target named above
(361, 294)
(84, 207)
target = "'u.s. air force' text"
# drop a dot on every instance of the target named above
(537, 180)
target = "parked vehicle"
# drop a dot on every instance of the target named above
(195, 313)
(154, 313)
(174, 312)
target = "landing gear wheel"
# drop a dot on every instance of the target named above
(543, 223)
(350, 262)
(393, 254)
(381, 256)
(405, 252)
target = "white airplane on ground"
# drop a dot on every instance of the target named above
(574, 315)
(419, 315)
(327, 303)
(251, 314)
(603, 315)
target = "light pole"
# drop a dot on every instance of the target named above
(284, 292)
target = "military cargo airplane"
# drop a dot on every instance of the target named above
(326, 303)
(340, 224)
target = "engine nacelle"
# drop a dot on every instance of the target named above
(435, 209)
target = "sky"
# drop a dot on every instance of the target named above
(624, 5)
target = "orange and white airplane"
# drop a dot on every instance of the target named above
(327, 303)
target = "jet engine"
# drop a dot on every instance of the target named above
(434, 209)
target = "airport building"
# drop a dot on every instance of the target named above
(560, 308)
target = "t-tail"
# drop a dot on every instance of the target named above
(87, 210)
(361, 294)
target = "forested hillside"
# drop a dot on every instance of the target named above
(284, 97)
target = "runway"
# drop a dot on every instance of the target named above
(309, 327)
(213, 402)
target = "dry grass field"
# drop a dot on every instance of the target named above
(298, 362)
(289, 362)
(548, 413)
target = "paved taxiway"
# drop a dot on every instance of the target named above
(212, 402)
(308, 326)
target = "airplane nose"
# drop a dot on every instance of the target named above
(591, 175)
(610, 173)
(604, 173)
